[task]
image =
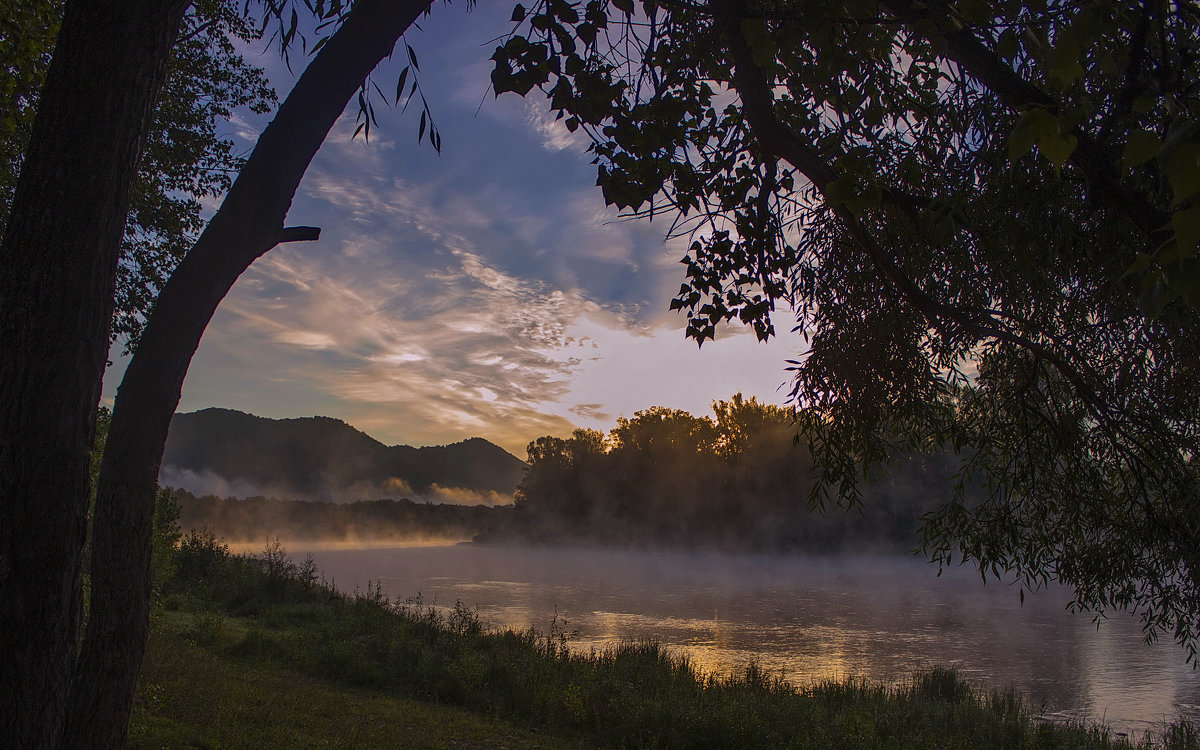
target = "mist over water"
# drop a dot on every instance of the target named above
(879, 617)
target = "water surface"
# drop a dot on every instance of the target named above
(881, 618)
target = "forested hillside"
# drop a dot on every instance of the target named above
(319, 458)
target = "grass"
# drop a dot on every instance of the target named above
(256, 652)
(196, 695)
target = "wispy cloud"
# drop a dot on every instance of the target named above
(484, 364)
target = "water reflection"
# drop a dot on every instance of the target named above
(809, 619)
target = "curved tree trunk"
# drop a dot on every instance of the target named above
(248, 224)
(59, 255)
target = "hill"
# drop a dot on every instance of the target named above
(228, 452)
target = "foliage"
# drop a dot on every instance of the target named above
(187, 162)
(984, 216)
(626, 695)
(27, 32)
(738, 481)
(164, 540)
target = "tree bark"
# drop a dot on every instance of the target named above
(248, 224)
(59, 255)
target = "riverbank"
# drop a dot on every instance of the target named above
(256, 652)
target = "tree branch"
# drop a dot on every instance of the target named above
(299, 234)
(778, 140)
(1097, 164)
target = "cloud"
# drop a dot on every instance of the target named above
(307, 339)
(554, 133)
(207, 483)
(591, 412)
(475, 351)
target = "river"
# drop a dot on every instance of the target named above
(809, 619)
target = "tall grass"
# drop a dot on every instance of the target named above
(265, 609)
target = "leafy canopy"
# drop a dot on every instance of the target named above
(189, 159)
(984, 217)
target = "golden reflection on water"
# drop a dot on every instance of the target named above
(806, 619)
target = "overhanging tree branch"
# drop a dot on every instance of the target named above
(1084, 414)
(299, 234)
(1097, 164)
(778, 140)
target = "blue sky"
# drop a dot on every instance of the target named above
(484, 292)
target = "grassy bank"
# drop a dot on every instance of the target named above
(256, 652)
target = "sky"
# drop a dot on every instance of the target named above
(486, 291)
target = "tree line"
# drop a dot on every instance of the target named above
(738, 480)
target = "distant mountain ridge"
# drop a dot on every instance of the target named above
(325, 458)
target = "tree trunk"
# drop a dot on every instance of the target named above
(59, 255)
(248, 224)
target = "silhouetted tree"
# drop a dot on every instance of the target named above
(985, 217)
(59, 253)
(60, 250)
(249, 223)
(740, 482)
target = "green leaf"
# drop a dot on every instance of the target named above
(838, 191)
(1029, 128)
(860, 203)
(502, 77)
(976, 12)
(1038, 127)
(1058, 148)
(1141, 147)
(1062, 60)
(586, 33)
(1144, 103)
(518, 14)
(1008, 46)
(1186, 224)
(762, 44)
(1142, 264)
(625, 6)
(400, 84)
(1182, 167)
